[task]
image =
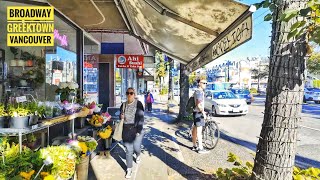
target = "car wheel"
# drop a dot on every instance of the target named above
(317, 102)
(214, 111)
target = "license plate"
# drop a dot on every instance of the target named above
(236, 110)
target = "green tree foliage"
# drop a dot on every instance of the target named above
(161, 67)
(192, 78)
(308, 23)
(313, 63)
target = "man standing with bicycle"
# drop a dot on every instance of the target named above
(199, 116)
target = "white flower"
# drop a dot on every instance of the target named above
(63, 85)
(73, 85)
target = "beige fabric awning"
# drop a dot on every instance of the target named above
(193, 32)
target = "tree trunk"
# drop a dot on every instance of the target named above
(184, 91)
(277, 144)
(170, 90)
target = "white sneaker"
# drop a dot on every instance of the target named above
(129, 173)
(203, 151)
(138, 159)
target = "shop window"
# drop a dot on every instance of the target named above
(37, 70)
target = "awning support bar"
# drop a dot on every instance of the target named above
(156, 5)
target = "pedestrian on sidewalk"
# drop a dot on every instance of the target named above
(149, 100)
(133, 115)
(199, 116)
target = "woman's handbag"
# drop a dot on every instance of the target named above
(117, 135)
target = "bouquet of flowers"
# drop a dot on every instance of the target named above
(84, 145)
(67, 90)
(93, 107)
(97, 120)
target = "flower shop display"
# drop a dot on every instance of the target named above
(3, 115)
(105, 133)
(67, 91)
(98, 120)
(83, 146)
(93, 107)
(63, 161)
(16, 165)
(19, 114)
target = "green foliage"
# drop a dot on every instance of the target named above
(244, 170)
(18, 110)
(3, 111)
(13, 162)
(240, 171)
(253, 90)
(313, 63)
(164, 91)
(316, 83)
(160, 65)
(192, 78)
(308, 23)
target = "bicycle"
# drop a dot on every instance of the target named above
(210, 133)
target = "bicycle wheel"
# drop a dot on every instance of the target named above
(210, 135)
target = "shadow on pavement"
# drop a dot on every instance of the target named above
(151, 143)
(300, 161)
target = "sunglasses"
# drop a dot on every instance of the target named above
(203, 82)
(131, 93)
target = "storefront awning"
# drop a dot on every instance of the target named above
(192, 32)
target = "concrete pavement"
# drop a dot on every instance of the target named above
(166, 153)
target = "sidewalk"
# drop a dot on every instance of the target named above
(166, 154)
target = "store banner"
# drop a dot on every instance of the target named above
(129, 61)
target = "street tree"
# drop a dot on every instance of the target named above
(184, 91)
(313, 63)
(160, 68)
(294, 24)
(259, 73)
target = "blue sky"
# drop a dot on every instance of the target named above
(260, 42)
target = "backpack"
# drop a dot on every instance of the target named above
(190, 105)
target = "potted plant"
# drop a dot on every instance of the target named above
(14, 51)
(3, 115)
(35, 111)
(83, 146)
(31, 141)
(19, 116)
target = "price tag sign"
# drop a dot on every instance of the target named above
(21, 99)
(34, 126)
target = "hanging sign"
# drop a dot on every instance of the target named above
(129, 61)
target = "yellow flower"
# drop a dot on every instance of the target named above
(44, 174)
(49, 177)
(27, 175)
(83, 147)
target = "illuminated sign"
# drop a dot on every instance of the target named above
(62, 38)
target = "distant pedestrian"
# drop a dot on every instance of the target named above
(149, 100)
(199, 116)
(132, 112)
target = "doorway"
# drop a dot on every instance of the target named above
(104, 85)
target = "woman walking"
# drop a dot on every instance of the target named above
(132, 112)
(149, 100)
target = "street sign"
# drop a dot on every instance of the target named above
(129, 61)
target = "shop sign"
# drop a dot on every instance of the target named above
(129, 61)
(30, 26)
(234, 38)
(91, 60)
(61, 38)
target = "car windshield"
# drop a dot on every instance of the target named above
(240, 91)
(224, 95)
